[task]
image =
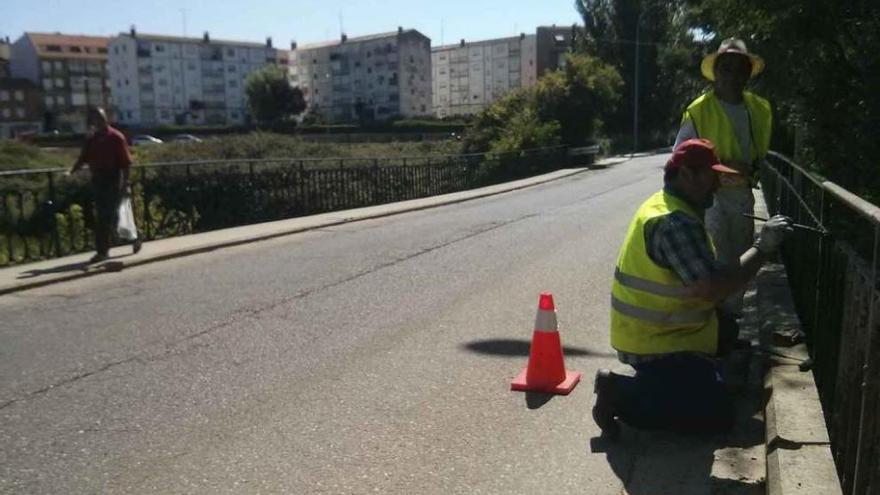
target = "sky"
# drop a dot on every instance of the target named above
(305, 21)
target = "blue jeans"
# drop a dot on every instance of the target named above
(682, 392)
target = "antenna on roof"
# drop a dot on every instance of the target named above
(341, 27)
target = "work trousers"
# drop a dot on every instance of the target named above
(107, 188)
(732, 233)
(682, 392)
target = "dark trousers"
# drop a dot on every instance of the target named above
(106, 186)
(681, 393)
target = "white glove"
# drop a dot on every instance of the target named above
(773, 233)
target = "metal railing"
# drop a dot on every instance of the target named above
(44, 215)
(833, 279)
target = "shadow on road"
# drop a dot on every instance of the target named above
(71, 267)
(113, 264)
(517, 347)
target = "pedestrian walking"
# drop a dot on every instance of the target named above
(107, 155)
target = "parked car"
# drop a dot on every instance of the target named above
(145, 139)
(186, 137)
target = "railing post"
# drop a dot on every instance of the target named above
(56, 238)
(146, 201)
(866, 368)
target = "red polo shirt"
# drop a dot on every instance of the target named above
(106, 151)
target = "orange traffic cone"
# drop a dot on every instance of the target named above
(546, 369)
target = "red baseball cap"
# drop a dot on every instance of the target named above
(697, 153)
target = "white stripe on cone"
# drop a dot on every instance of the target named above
(545, 321)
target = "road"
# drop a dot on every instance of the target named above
(371, 357)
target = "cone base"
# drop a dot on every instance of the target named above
(562, 388)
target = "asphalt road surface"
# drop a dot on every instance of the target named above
(371, 357)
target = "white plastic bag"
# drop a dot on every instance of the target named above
(126, 229)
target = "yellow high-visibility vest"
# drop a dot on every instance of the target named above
(711, 122)
(651, 312)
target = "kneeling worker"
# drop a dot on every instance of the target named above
(667, 285)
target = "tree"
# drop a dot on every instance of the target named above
(822, 75)
(566, 106)
(668, 62)
(270, 96)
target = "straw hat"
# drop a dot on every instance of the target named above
(731, 45)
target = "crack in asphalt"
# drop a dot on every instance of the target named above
(186, 345)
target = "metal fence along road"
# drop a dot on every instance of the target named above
(45, 215)
(833, 279)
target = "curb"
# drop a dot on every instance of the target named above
(302, 224)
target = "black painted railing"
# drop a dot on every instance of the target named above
(834, 283)
(44, 214)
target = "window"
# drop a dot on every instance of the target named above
(6, 113)
(233, 84)
(230, 68)
(19, 112)
(162, 83)
(47, 66)
(59, 65)
(50, 101)
(75, 49)
(128, 114)
(230, 52)
(59, 100)
(52, 48)
(19, 95)
(59, 83)
(159, 48)
(116, 50)
(4, 95)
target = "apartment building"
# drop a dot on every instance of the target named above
(467, 77)
(375, 77)
(21, 108)
(163, 80)
(70, 70)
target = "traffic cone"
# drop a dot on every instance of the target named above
(546, 369)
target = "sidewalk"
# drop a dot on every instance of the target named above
(27, 276)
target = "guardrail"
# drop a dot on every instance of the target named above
(44, 215)
(834, 283)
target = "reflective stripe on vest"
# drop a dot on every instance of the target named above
(644, 285)
(660, 317)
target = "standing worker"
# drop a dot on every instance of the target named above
(738, 123)
(666, 286)
(106, 153)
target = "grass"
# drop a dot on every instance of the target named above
(18, 155)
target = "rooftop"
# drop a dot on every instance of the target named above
(181, 39)
(359, 39)
(58, 45)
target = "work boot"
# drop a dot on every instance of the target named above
(604, 410)
(136, 245)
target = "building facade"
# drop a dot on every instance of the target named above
(5, 53)
(166, 80)
(71, 72)
(467, 77)
(21, 108)
(376, 77)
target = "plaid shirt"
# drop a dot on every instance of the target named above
(678, 242)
